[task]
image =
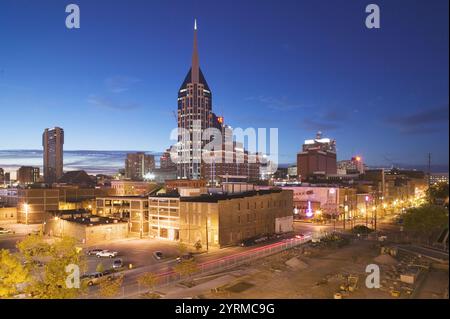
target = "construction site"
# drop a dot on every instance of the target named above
(334, 268)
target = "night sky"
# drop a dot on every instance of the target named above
(300, 66)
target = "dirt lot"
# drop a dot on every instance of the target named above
(319, 272)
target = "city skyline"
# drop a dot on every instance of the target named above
(120, 91)
(220, 151)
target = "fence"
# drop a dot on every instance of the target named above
(217, 265)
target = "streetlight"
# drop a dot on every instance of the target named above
(374, 217)
(366, 211)
(26, 207)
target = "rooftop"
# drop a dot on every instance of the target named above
(214, 198)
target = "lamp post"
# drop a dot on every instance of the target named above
(366, 211)
(207, 233)
(25, 206)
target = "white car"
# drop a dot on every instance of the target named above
(5, 231)
(107, 253)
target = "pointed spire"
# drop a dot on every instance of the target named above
(195, 63)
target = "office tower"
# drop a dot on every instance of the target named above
(137, 165)
(317, 158)
(53, 141)
(194, 115)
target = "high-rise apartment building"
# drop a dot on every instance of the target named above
(53, 141)
(28, 175)
(318, 157)
(137, 165)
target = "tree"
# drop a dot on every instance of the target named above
(49, 282)
(425, 221)
(198, 245)
(438, 194)
(12, 274)
(186, 268)
(148, 280)
(182, 248)
(33, 246)
(110, 288)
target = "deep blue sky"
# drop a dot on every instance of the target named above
(297, 65)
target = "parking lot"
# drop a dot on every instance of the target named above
(137, 252)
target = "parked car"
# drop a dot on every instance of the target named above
(96, 278)
(5, 231)
(253, 241)
(94, 252)
(158, 255)
(117, 264)
(185, 257)
(107, 254)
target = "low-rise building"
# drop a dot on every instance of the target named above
(164, 216)
(86, 229)
(312, 201)
(222, 220)
(131, 188)
(34, 204)
(133, 209)
(8, 215)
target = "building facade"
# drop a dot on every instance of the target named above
(164, 218)
(317, 158)
(227, 220)
(52, 142)
(138, 165)
(8, 215)
(133, 209)
(28, 175)
(165, 161)
(131, 188)
(353, 166)
(87, 229)
(194, 116)
(33, 205)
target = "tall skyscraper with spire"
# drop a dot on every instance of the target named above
(194, 115)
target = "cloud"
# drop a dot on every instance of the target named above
(109, 103)
(328, 121)
(425, 121)
(277, 104)
(119, 84)
(116, 85)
